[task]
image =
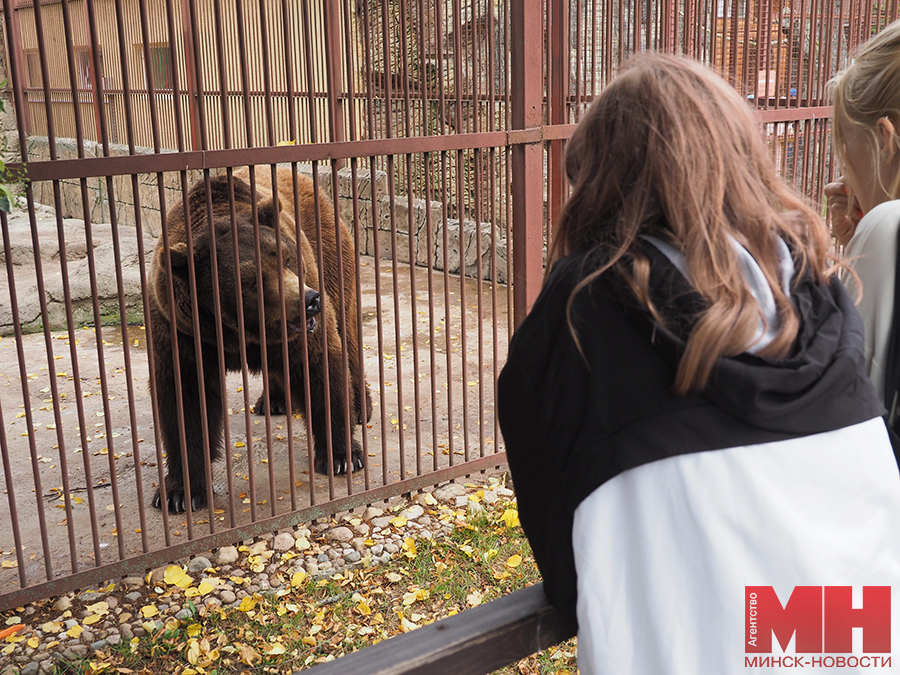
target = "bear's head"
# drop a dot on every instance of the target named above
(267, 271)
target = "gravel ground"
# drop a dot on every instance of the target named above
(75, 625)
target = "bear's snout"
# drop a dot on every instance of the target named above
(313, 306)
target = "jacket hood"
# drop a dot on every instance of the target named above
(820, 382)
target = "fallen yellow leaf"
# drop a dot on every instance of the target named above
(514, 560)
(148, 611)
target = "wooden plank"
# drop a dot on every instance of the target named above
(474, 642)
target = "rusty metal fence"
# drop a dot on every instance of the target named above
(434, 130)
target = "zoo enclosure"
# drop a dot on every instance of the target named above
(437, 130)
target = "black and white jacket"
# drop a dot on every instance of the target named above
(650, 513)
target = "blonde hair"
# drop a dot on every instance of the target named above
(669, 149)
(867, 90)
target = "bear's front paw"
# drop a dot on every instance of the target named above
(276, 404)
(339, 459)
(177, 501)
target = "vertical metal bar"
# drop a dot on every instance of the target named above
(54, 389)
(190, 66)
(135, 192)
(527, 159)
(16, 71)
(26, 397)
(362, 392)
(293, 134)
(558, 79)
(336, 97)
(226, 142)
(326, 366)
(7, 471)
(448, 324)
(82, 423)
(336, 112)
(376, 245)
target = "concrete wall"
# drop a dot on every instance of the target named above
(375, 208)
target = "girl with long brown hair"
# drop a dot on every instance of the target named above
(685, 410)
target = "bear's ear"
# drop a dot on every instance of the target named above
(267, 211)
(178, 255)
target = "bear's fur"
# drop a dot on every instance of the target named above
(305, 311)
(336, 276)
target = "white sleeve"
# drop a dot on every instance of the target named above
(872, 252)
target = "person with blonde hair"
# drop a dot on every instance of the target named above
(685, 409)
(864, 203)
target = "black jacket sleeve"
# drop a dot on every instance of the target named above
(541, 398)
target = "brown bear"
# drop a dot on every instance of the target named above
(337, 276)
(208, 212)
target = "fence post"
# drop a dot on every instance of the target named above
(190, 67)
(527, 158)
(558, 81)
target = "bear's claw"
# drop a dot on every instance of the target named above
(339, 460)
(176, 502)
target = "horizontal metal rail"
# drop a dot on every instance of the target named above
(140, 564)
(92, 167)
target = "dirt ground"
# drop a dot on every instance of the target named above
(433, 400)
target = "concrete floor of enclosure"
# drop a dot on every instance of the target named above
(433, 397)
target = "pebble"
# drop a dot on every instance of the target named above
(413, 512)
(284, 541)
(158, 575)
(450, 490)
(198, 564)
(226, 555)
(366, 540)
(340, 534)
(372, 512)
(76, 651)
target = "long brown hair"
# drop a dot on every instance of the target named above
(669, 149)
